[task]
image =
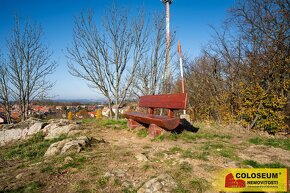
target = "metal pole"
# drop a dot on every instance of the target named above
(167, 47)
(167, 65)
(181, 70)
(181, 66)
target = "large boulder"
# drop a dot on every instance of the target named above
(162, 183)
(22, 130)
(68, 146)
(57, 127)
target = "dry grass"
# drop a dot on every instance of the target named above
(189, 158)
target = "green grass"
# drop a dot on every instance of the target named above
(220, 149)
(77, 162)
(187, 154)
(180, 189)
(185, 166)
(48, 169)
(199, 185)
(159, 138)
(274, 142)
(202, 155)
(141, 133)
(114, 124)
(146, 167)
(255, 164)
(31, 187)
(129, 189)
(108, 123)
(188, 136)
(102, 182)
(33, 148)
(174, 150)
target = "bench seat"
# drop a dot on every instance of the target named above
(168, 123)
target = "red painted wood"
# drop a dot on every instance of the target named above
(165, 122)
(133, 124)
(150, 111)
(170, 113)
(168, 101)
(154, 130)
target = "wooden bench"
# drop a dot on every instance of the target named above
(166, 101)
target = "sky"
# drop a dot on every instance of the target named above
(191, 19)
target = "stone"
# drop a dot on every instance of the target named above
(68, 159)
(141, 157)
(19, 176)
(55, 128)
(162, 183)
(20, 130)
(68, 146)
(55, 148)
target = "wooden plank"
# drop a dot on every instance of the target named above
(162, 121)
(168, 101)
(150, 111)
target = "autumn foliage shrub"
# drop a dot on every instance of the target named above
(99, 114)
(70, 116)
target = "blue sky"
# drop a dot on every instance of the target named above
(191, 19)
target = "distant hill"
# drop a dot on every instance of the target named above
(82, 101)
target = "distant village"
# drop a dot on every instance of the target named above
(60, 110)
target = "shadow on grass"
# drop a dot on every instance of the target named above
(185, 125)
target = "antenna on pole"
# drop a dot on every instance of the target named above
(167, 65)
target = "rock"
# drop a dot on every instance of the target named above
(141, 157)
(19, 176)
(68, 159)
(117, 173)
(20, 130)
(55, 148)
(68, 145)
(58, 127)
(162, 183)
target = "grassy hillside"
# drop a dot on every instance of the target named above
(112, 164)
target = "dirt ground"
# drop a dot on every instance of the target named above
(129, 158)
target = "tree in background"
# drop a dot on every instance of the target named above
(28, 65)
(4, 88)
(108, 55)
(151, 79)
(244, 73)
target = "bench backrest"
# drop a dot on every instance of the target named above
(167, 101)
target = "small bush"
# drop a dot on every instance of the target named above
(99, 114)
(70, 116)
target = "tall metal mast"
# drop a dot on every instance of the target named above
(167, 65)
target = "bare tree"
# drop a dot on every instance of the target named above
(244, 73)
(29, 65)
(151, 78)
(108, 55)
(4, 88)
(150, 75)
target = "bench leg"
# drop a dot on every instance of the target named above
(133, 124)
(154, 130)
